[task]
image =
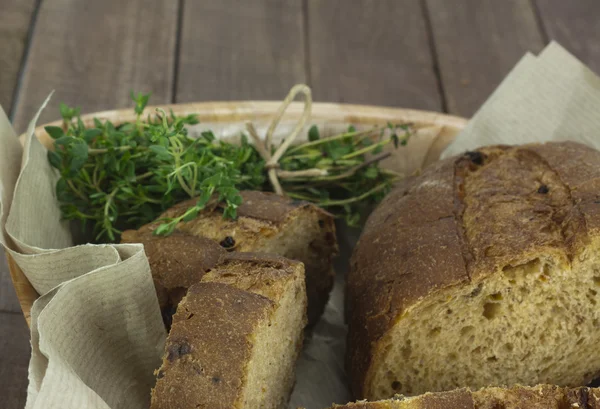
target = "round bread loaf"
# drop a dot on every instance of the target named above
(483, 270)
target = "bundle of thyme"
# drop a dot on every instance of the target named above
(117, 177)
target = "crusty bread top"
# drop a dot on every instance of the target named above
(178, 260)
(265, 206)
(516, 397)
(264, 274)
(462, 219)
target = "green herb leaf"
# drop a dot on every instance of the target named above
(55, 132)
(79, 152)
(313, 133)
(55, 159)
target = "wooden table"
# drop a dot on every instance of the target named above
(441, 55)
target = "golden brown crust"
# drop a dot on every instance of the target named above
(264, 274)
(208, 348)
(178, 260)
(461, 220)
(265, 206)
(516, 397)
(378, 286)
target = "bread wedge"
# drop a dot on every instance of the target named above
(176, 262)
(484, 270)
(235, 337)
(268, 223)
(516, 397)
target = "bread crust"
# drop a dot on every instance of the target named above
(210, 341)
(537, 397)
(449, 226)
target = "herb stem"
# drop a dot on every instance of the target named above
(300, 197)
(97, 151)
(376, 189)
(326, 140)
(77, 191)
(367, 149)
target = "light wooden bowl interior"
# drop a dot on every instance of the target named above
(433, 132)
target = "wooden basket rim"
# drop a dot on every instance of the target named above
(235, 111)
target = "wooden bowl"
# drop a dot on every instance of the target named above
(433, 132)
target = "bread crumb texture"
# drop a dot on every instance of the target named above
(484, 270)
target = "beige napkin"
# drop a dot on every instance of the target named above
(551, 97)
(96, 333)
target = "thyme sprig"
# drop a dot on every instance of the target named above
(117, 177)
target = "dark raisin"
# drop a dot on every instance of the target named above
(476, 157)
(216, 379)
(476, 290)
(177, 350)
(321, 223)
(160, 375)
(228, 242)
(543, 189)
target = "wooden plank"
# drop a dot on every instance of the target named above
(94, 52)
(372, 52)
(14, 360)
(477, 43)
(233, 50)
(575, 25)
(8, 297)
(15, 19)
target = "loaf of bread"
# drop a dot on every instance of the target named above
(516, 397)
(483, 270)
(268, 223)
(235, 337)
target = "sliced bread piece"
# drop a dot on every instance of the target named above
(269, 223)
(516, 397)
(176, 262)
(483, 270)
(235, 337)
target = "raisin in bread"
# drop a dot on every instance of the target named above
(483, 270)
(516, 397)
(269, 223)
(235, 337)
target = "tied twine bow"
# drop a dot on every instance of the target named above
(264, 146)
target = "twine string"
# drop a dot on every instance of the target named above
(264, 147)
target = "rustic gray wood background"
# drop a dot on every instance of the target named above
(441, 55)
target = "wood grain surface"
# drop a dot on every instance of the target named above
(477, 43)
(15, 19)
(374, 52)
(575, 25)
(14, 359)
(93, 53)
(233, 49)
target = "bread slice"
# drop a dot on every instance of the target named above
(484, 270)
(269, 223)
(176, 262)
(235, 337)
(517, 397)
